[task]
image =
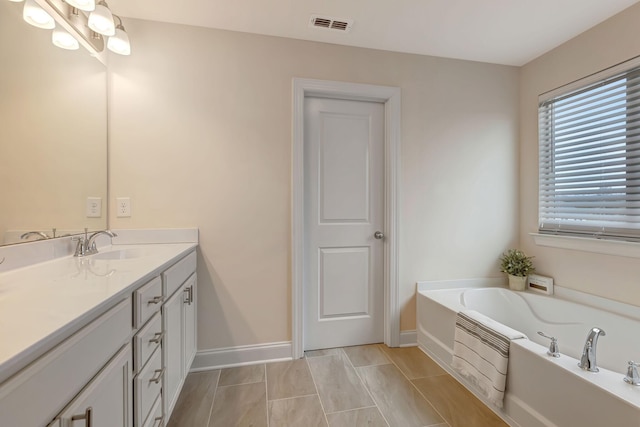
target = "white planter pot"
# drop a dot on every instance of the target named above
(517, 283)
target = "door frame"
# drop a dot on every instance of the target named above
(390, 97)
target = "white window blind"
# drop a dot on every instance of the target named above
(589, 138)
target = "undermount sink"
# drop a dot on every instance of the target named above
(119, 254)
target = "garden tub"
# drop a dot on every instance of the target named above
(541, 390)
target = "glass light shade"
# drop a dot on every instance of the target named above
(64, 40)
(86, 5)
(16, 1)
(119, 43)
(36, 16)
(101, 20)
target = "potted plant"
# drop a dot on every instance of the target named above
(518, 266)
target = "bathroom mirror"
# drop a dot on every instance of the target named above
(53, 133)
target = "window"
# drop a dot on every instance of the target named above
(589, 138)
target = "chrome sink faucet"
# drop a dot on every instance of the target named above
(42, 235)
(588, 359)
(87, 245)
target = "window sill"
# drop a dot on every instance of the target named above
(608, 247)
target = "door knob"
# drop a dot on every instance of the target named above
(378, 235)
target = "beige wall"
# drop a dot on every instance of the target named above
(200, 135)
(607, 44)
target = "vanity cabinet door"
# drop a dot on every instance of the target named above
(106, 400)
(172, 349)
(189, 322)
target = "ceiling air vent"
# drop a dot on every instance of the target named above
(337, 24)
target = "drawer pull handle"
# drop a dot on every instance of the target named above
(156, 300)
(157, 337)
(189, 292)
(86, 417)
(160, 421)
(158, 377)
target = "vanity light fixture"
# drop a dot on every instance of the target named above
(79, 22)
(64, 40)
(119, 42)
(37, 16)
(101, 20)
(86, 5)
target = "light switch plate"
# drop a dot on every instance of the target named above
(94, 207)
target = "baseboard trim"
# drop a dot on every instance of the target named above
(227, 357)
(408, 338)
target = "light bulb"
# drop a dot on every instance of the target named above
(119, 43)
(101, 20)
(86, 5)
(36, 16)
(64, 40)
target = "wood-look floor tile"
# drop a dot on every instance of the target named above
(366, 355)
(240, 406)
(458, 406)
(364, 417)
(338, 384)
(325, 352)
(242, 375)
(398, 400)
(413, 362)
(289, 379)
(196, 398)
(303, 411)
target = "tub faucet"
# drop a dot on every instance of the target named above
(588, 359)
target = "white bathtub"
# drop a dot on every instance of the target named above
(541, 390)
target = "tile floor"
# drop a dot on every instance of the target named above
(371, 385)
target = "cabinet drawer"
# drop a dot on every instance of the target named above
(155, 418)
(175, 276)
(148, 385)
(35, 395)
(148, 300)
(146, 341)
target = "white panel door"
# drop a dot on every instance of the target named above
(344, 208)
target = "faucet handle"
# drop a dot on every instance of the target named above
(632, 377)
(80, 246)
(553, 351)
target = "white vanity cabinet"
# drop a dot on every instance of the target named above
(179, 321)
(35, 395)
(166, 343)
(122, 367)
(147, 344)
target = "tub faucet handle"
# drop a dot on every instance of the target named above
(632, 377)
(553, 351)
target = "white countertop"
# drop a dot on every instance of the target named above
(43, 304)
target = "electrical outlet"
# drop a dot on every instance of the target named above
(123, 207)
(94, 207)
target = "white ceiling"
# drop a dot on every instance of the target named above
(511, 32)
